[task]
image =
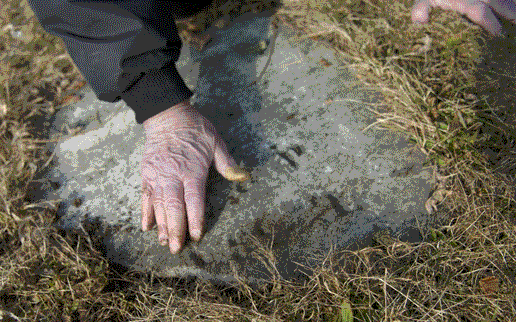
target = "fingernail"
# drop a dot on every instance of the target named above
(163, 241)
(196, 235)
(174, 246)
(237, 174)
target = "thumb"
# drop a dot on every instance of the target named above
(226, 165)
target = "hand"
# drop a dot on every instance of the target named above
(479, 11)
(179, 149)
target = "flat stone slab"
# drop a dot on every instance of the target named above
(322, 176)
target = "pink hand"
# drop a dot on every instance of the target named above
(479, 11)
(180, 147)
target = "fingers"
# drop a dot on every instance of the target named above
(170, 216)
(476, 10)
(195, 193)
(161, 220)
(485, 17)
(479, 13)
(173, 221)
(147, 213)
(226, 165)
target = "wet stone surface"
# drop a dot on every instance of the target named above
(321, 177)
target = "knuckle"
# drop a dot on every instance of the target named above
(194, 191)
(192, 197)
(173, 205)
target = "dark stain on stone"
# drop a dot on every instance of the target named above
(127, 228)
(291, 116)
(258, 227)
(260, 231)
(116, 228)
(197, 259)
(287, 158)
(325, 63)
(336, 205)
(233, 200)
(298, 150)
(77, 202)
(240, 188)
(404, 172)
(55, 185)
(236, 257)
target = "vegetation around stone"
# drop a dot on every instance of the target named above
(448, 84)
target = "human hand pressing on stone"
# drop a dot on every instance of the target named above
(479, 11)
(179, 149)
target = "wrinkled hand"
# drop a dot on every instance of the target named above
(179, 149)
(479, 11)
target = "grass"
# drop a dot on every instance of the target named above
(448, 84)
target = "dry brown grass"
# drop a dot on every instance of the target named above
(449, 84)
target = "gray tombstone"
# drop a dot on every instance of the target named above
(322, 177)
